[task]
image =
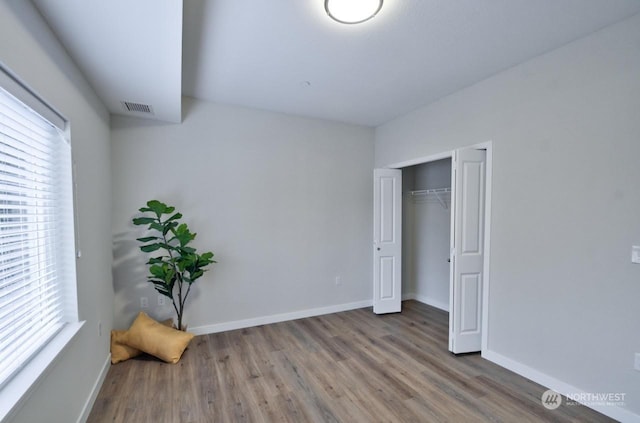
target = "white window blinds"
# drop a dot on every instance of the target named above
(36, 233)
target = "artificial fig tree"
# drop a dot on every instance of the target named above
(177, 265)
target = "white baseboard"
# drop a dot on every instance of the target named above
(615, 412)
(86, 410)
(426, 300)
(275, 318)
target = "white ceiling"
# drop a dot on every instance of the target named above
(129, 50)
(288, 56)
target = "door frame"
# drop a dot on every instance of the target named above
(486, 274)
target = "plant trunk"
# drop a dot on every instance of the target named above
(179, 312)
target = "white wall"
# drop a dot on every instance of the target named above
(566, 204)
(284, 202)
(436, 174)
(28, 49)
(432, 226)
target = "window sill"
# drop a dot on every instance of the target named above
(14, 394)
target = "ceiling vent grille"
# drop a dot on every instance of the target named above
(137, 107)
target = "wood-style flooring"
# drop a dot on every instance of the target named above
(352, 366)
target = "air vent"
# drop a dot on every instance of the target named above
(137, 107)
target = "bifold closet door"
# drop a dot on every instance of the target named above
(387, 241)
(465, 300)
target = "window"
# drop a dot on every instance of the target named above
(37, 265)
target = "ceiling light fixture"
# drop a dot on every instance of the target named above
(352, 11)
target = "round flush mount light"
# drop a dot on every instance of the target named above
(352, 11)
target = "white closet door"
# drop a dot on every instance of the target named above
(465, 302)
(387, 244)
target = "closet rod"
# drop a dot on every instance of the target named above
(430, 191)
(434, 191)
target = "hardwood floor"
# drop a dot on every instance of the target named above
(345, 367)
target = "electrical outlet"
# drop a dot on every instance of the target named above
(161, 300)
(144, 302)
(338, 280)
(636, 362)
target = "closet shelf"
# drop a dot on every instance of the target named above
(438, 193)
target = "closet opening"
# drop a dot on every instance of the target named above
(426, 232)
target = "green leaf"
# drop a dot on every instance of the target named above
(158, 227)
(159, 208)
(182, 265)
(150, 248)
(143, 220)
(147, 238)
(183, 234)
(157, 271)
(170, 280)
(174, 217)
(163, 289)
(156, 260)
(204, 262)
(166, 229)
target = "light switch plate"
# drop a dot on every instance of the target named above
(635, 254)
